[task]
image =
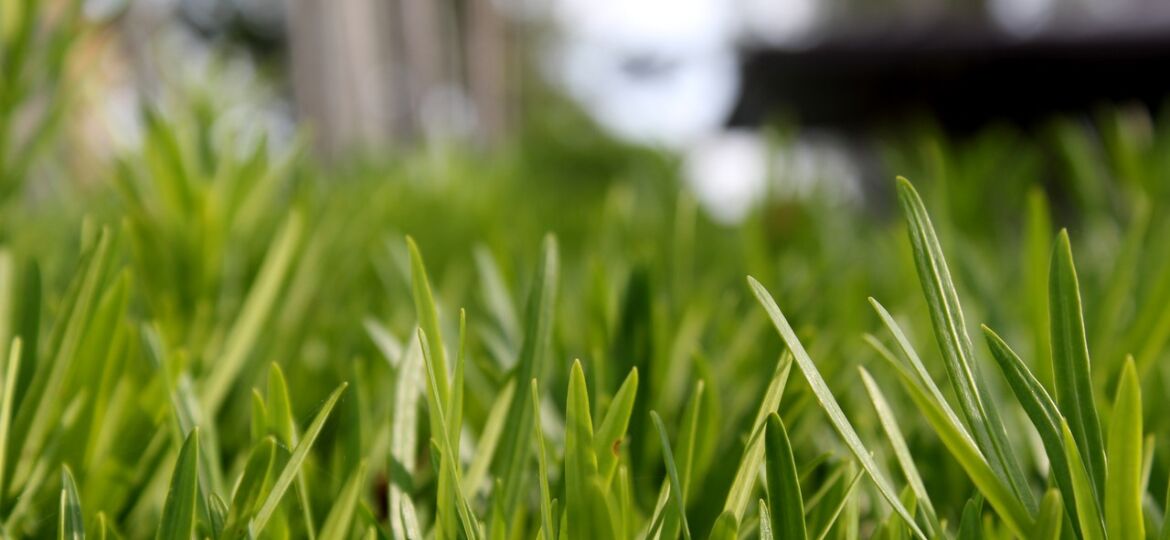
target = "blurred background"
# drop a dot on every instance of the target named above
(713, 82)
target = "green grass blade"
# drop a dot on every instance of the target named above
(428, 320)
(613, 426)
(337, 523)
(71, 523)
(1070, 363)
(178, 517)
(676, 488)
(581, 512)
(1051, 517)
(258, 306)
(967, 454)
(250, 489)
(1123, 481)
(765, 522)
(448, 457)
(1041, 411)
(971, 524)
(534, 353)
(744, 483)
(829, 404)
(288, 474)
(846, 497)
(9, 393)
(546, 520)
(404, 440)
(901, 451)
(1088, 513)
(785, 503)
(950, 330)
(489, 440)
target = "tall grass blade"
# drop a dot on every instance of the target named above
(1088, 512)
(288, 474)
(338, 522)
(511, 467)
(829, 404)
(676, 488)
(1123, 479)
(744, 482)
(950, 329)
(785, 503)
(1070, 363)
(178, 517)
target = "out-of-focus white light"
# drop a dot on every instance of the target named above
(728, 173)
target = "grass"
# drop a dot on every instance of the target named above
(554, 341)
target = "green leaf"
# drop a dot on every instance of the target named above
(846, 497)
(950, 329)
(744, 483)
(971, 524)
(512, 466)
(71, 524)
(404, 441)
(1123, 481)
(250, 488)
(765, 521)
(178, 518)
(546, 520)
(489, 440)
(901, 451)
(829, 404)
(1051, 517)
(785, 503)
(584, 506)
(288, 474)
(447, 457)
(676, 488)
(726, 527)
(613, 426)
(258, 306)
(9, 393)
(337, 523)
(1070, 363)
(1041, 411)
(963, 449)
(428, 320)
(1088, 513)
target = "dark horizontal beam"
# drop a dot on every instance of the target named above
(962, 76)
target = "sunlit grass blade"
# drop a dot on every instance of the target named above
(288, 474)
(785, 503)
(1123, 479)
(829, 404)
(1070, 363)
(744, 483)
(676, 491)
(337, 523)
(71, 523)
(513, 457)
(950, 330)
(258, 306)
(905, 459)
(178, 517)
